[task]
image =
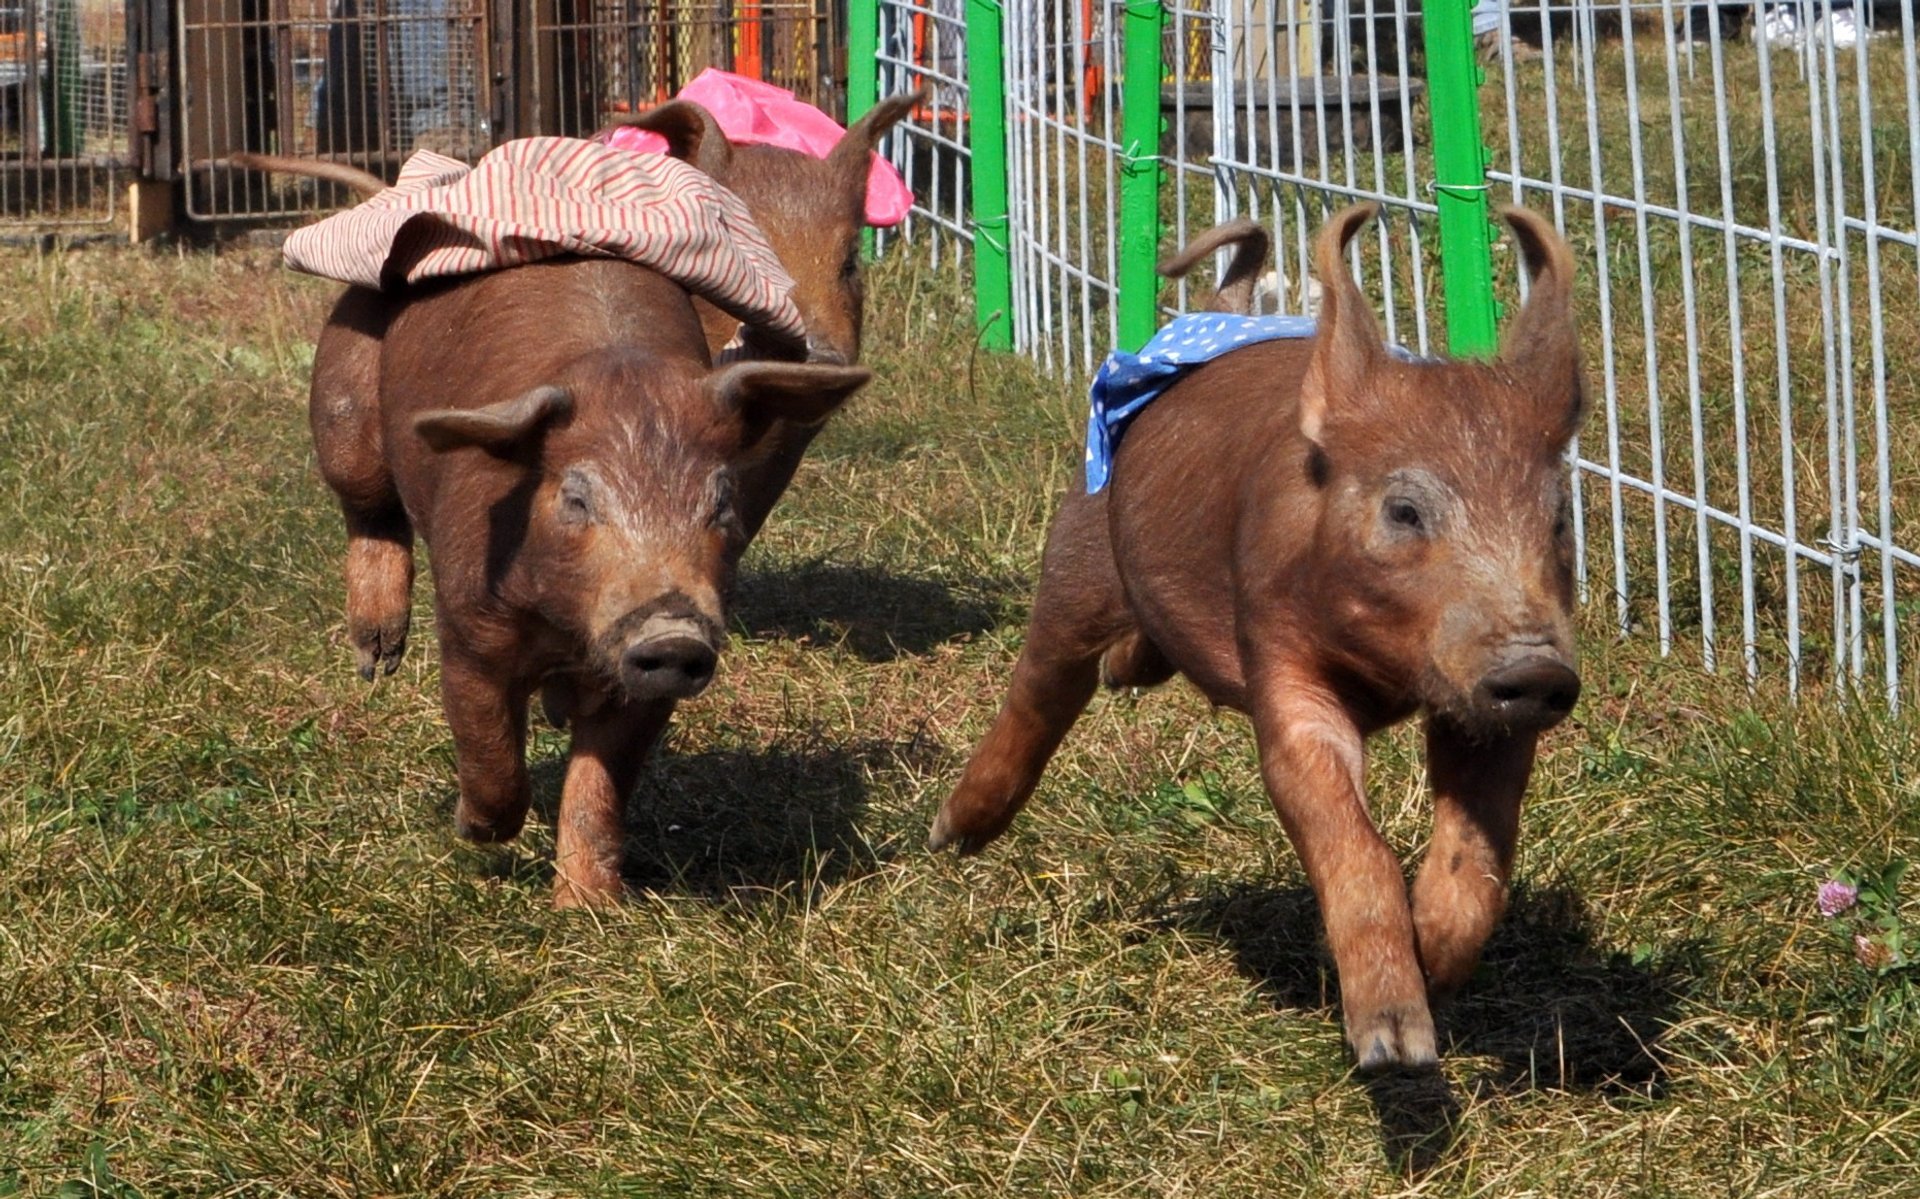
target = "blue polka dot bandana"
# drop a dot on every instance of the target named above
(1126, 383)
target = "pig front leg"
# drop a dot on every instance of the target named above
(1312, 758)
(1461, 891)
(488, 718)
(610, 744)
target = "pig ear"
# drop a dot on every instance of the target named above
(497, 428)
(1541, 347)
(761, 392)
(692, 133)
(851, 154)
(1251, 246)
(1348, 344)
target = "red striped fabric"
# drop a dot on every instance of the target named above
(540, 197)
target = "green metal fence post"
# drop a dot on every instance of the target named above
(987, 150)
(1139, 231)
(64, 121)
(863, 57)
(1460, 178)
(863, 72)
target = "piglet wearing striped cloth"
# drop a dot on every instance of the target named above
(542, 197)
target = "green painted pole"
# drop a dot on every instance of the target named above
(863, 72)
(863, 57)
(65, 118)
(987, 148)
(1460, 178)
(1138, 286)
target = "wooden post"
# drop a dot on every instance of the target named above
(149, 209)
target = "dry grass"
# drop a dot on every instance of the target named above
(240, 952)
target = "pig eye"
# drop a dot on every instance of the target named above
(1405, 514)
(851, 267)
(720, 509)
(575, 505)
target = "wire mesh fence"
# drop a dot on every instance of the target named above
(1743, 204)
(360, 81)
(1746, 207)
(370, 82)
(596, 59)
(64, 141)
(924, 42)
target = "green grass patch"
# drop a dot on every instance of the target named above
(241, 952)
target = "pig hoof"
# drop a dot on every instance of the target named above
(378, 653)
(945, 836)
(486, 832)
(1398, 1037)
(595, 893)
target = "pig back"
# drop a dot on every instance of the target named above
(1223, 437)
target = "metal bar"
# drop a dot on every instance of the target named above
(1650, 353)
(1139, 173)
(1460, 177)
(863, 73)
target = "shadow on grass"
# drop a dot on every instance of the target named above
(1552, 1007)
(879, 615)
(744, 825)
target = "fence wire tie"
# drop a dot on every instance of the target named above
(1132, 161)
(998, 224)
(1435, 187)
(1847, 549)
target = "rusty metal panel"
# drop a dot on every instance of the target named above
(361, 81)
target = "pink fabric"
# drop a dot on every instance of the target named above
(541, 197)
(750, 111)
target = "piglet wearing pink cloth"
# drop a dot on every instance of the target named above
(750, 111)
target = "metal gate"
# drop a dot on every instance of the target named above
(64, 141)
(371, 81)
(96, 92)
(596, 59)
(360, 81)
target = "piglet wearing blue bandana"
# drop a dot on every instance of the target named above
(1331, 539)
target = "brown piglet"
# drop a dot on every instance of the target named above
(1332, 540)
(811, 210)
(557, 436)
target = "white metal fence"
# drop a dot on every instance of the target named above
(925, 41)
(1749, 482)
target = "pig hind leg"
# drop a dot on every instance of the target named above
(344, 411)
(1079, 612)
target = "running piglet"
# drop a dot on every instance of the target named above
(1331, 538)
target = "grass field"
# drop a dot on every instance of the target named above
(241, 953)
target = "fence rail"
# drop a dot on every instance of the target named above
(1748, 487)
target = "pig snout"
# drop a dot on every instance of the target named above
(674, 665)
(1531, 687)
(667, 652)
